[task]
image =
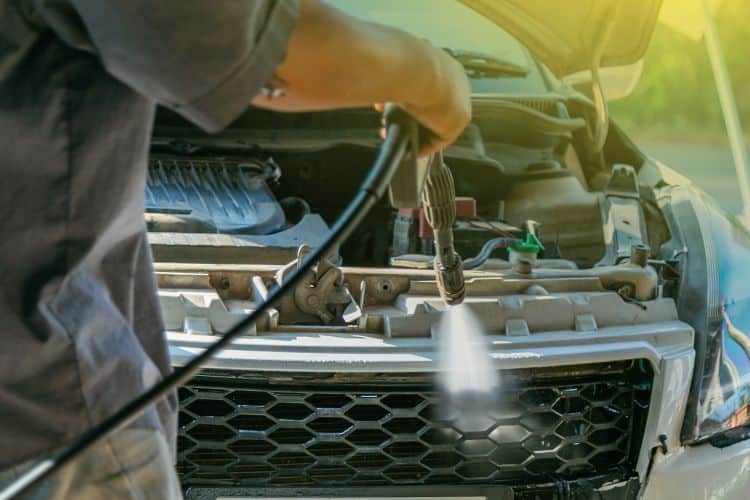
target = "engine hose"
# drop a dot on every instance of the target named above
(402, 133)
(487, 249)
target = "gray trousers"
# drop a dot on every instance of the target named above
(131, 464)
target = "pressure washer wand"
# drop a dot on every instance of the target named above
(439, 204)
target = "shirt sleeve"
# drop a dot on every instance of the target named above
(206, 59)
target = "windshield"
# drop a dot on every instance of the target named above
(449, 24)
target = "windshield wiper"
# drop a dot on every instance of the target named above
(481, 65)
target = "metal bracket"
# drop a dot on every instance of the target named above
(622, 214)
(323, 296)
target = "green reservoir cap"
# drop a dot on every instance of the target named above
(529, 245)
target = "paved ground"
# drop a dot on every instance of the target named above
(710, 167)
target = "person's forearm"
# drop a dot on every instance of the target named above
(334, 60)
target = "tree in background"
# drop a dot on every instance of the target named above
(677, 94)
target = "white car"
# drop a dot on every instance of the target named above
(621, 340)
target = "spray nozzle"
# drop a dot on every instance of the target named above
(439, 203)
(432, 181)
(450, 278)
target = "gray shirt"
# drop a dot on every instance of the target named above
(80, 329)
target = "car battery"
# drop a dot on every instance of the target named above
(412, 234)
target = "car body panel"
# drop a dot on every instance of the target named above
(336, 352)
(665, 342)
(701, 473)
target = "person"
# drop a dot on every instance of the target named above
(81, 332)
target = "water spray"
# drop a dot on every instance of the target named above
(467, 379)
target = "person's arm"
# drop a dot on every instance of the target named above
(208, 59)
(334, 61)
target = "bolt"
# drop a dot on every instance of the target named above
(639, 254)
(313, 300)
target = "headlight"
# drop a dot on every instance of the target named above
(713, 249)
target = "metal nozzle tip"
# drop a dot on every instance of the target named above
(450, 281)
(454, 299)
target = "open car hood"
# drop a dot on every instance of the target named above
(574, 35)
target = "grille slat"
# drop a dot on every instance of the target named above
(245, 432)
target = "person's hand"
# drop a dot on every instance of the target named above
(441, 102)
(444, 107)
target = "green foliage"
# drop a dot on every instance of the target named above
(677, 93)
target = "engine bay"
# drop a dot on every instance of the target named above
(523, 176)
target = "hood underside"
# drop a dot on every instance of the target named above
(574, 36)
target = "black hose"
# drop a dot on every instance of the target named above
(401, 131)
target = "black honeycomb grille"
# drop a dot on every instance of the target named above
(235, 431)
